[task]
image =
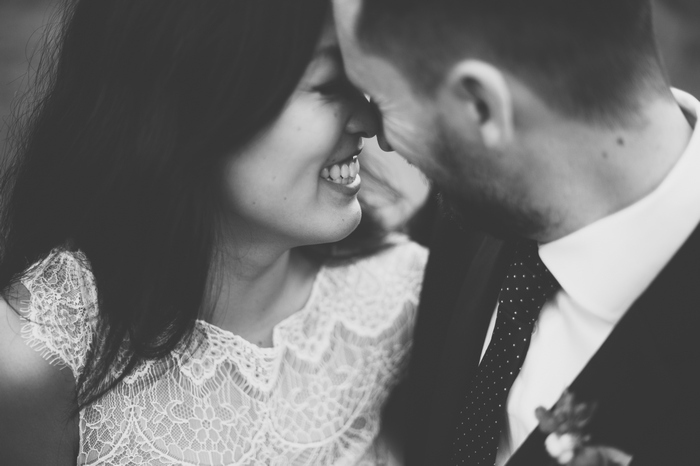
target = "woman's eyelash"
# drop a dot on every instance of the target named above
(335, 87)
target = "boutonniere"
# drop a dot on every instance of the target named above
(567, 442)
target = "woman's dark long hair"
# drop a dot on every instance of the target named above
(141, 101)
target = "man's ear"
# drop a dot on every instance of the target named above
(480, 93)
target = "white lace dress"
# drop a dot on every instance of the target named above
(313, 398)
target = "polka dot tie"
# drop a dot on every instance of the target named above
(525, 289)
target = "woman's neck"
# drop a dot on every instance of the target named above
(258, 289)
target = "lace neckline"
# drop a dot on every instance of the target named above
(313, 397)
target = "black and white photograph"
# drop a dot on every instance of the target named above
(349, 232)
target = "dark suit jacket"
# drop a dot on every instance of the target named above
(644, 377)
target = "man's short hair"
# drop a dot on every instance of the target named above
(688, 8)
(585, 58)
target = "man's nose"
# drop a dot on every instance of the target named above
(381, 137)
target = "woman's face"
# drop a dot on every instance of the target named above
(297, 182)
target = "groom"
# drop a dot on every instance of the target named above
(567, 252)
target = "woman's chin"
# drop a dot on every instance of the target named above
(339, 229)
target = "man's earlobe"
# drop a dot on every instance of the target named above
(482, 91)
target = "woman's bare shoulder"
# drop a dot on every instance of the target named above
(36, 399)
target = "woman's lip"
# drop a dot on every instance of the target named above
(347, 159)
(347, 189)
(357, 152)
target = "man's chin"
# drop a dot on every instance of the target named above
(481, 217)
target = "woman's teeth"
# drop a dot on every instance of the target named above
(342, 173)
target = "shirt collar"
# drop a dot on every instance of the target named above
(635, 242)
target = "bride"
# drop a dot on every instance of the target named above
(164, 300)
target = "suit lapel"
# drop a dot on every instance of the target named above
(464, 339)
(636, 376)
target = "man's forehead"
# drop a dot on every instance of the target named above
(346, 14)
(369, 71)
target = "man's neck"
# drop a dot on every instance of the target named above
(605, 170)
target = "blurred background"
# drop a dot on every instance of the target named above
(22, 23)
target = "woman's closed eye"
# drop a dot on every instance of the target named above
(339, 87)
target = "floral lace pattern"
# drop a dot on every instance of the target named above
(313, 398)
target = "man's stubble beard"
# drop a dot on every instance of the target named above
(474, 199)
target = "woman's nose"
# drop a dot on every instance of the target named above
(365, 119)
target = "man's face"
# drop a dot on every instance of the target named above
(408, 118)
(476, 182)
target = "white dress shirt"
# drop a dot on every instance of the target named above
(602, 268)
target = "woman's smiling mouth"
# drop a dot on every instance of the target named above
(343, 172)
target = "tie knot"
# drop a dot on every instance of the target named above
(528, 283)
